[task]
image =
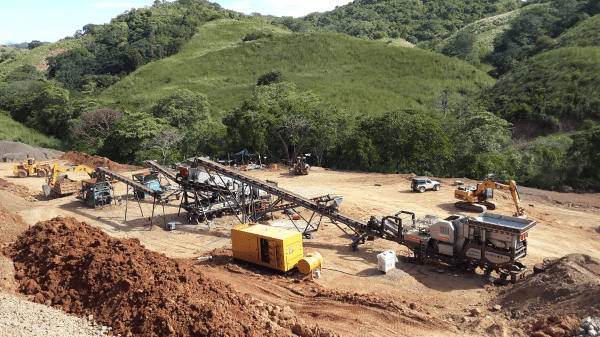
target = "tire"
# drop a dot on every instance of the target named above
(22, 174)
(436, 187)
(41, 173)
(421, 189)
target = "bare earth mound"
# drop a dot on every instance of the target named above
(569, 286)
(96, 161)
(77, 267)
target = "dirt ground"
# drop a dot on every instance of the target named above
(352, 298)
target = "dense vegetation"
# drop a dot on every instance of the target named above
(555, 85)
(426, 21)
(534, 31)
(130, 41)
(188, 78)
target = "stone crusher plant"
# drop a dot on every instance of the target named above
(491, 241)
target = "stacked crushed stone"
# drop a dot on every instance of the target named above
(17, 152)
(81, 158)
(78, 268)
(22, 318)
(590, 327)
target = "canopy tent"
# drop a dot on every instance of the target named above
(242, 155)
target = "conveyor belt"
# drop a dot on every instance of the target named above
(156, 166)
(113, 175)
(329, 212)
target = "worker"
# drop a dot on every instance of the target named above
(119, 200)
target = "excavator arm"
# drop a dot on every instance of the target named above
(479, 195)
(57, 169)
(512, 187)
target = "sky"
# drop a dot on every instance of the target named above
(52, 20)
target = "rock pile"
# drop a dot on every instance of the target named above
(17, 152)
(590, 327)
(76, 267)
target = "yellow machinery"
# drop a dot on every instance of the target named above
(300, 166)
(310, 263)
(65, 187)
(477, 198)
(267, 246)
(31, 168)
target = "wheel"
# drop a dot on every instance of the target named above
(22, 174)
(421, 189)
(436, 187)
(41, 173)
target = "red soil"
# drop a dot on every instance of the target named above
(69, 264)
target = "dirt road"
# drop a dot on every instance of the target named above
(351, 297)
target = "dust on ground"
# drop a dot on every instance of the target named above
(352, 297)
(68, 264)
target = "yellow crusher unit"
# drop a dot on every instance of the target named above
(267, 246)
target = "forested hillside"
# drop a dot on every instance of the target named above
(425, 21)
(188, 78)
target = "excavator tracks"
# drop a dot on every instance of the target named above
(476, 207)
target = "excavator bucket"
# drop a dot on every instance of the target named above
(47, 189)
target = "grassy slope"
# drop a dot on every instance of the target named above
(365, 77)
(585, 34)
(16, 132)
(486, 31)
(37, 56)
(561, 82)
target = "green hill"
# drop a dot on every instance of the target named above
(36, 57)
(14, 131)
(476, 40)
(362, 76)
(415, 21)
(585, 34)
(558, 84)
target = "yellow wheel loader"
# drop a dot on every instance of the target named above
(31, 168)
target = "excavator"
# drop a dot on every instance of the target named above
(65, 186)
(477, 198)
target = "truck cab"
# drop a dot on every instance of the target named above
(423, 184)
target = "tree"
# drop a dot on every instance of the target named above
(406, 141)
(34, 44)
(129, 134)
(585, 154)
(95, 125)
(165, 142)
(272, 77)
(298, 128)
(275, 121)
(182, 109)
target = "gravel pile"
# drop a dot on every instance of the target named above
(19, 317)
(13, 151)
(590, 327)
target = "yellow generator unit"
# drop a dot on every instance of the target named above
(267, 246)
